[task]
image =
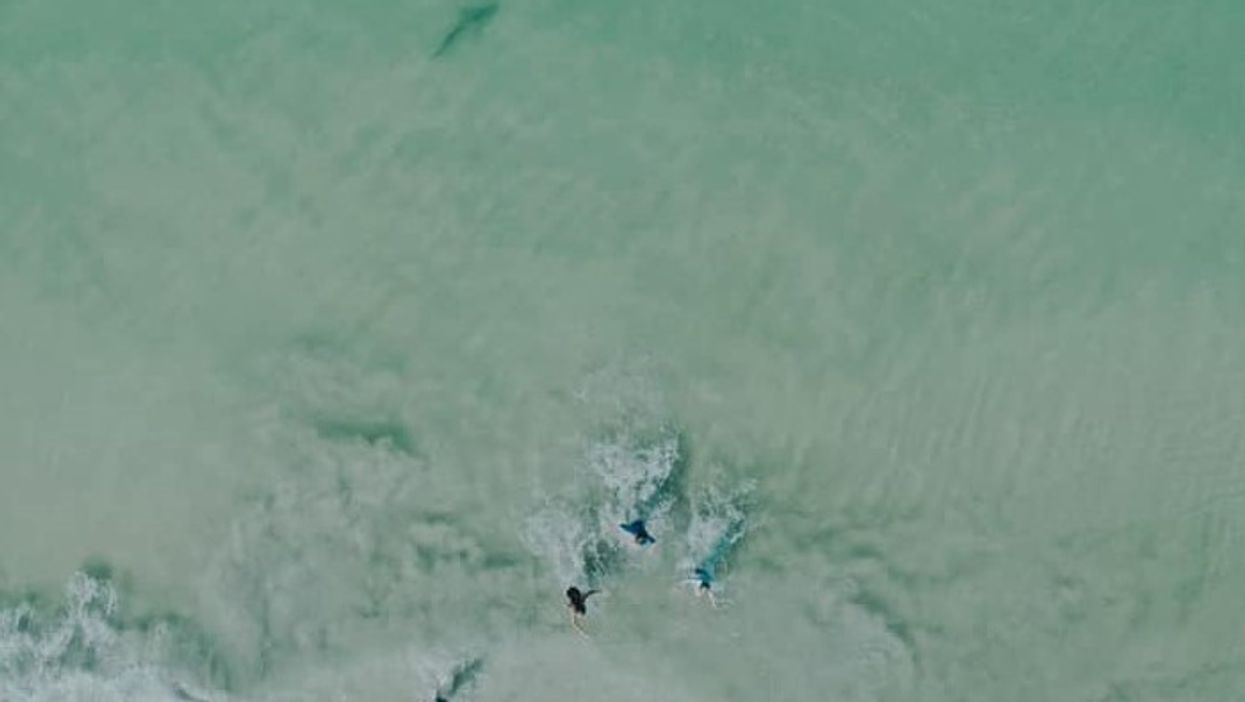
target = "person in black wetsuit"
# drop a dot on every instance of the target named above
(577, 599)
(577, 602)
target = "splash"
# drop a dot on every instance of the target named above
(569, 541)
(640, 476)
(81, 650)
(719, 522)
(353, 543)
(633, 479)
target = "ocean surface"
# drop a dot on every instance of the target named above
(338, 339)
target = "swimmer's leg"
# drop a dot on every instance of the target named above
(577, 624)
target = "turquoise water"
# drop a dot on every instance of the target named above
(336, 340)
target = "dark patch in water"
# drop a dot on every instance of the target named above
(471, 20)
(437, 517)
(376, 432)
(499, 561)
(895, 625)
(600, 560)
(675, 486)
(464, 675)
(864, 552)
(101, 571)
(28, 597)
(97, 568)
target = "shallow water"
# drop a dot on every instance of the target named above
(335, 342)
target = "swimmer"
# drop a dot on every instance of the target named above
(638, 530)
(577, 602)
(704, 584)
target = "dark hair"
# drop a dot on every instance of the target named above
(577, 600)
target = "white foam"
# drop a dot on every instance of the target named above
(718, 523)
(560, 538)
(77, 653)
(636, 475)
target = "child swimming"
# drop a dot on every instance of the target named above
(577, 602)
(703, 582)
(718, 525)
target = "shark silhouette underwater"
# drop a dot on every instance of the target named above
(471, 21)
